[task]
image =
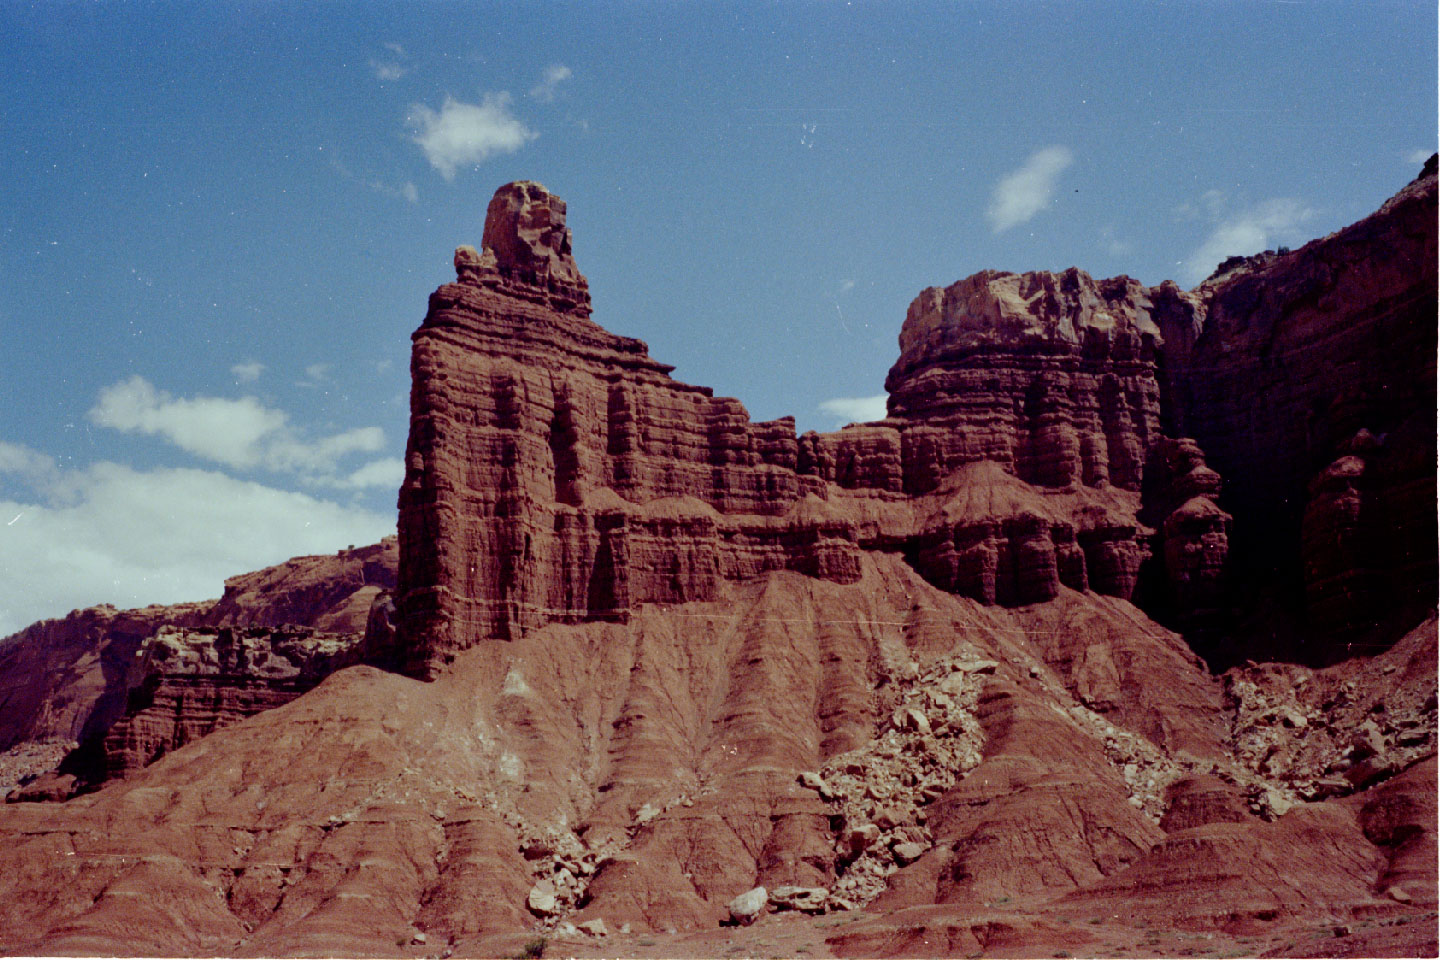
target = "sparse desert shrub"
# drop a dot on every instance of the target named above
(532, 950)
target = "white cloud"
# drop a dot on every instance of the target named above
(111, 534)
(318, 372)
(1271, 223)
(31, 467)
(408, 191)
(467, 133)
(855, 409)
(1418, 156)
(225, 431)
(247, 372)
(1025, 192)
(241, 433)
(390, 68)
(555, 75)
(388, 472)
(387, 70)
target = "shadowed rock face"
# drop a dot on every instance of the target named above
(1311, 388)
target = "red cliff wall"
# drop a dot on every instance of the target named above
(1311, 387)
(556, 473)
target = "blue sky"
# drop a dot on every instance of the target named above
(219, 223)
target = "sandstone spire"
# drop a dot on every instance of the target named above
(526, 243)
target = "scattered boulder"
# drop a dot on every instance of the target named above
(803, 899)
(908, 853)
(746, 908)
(542, 899)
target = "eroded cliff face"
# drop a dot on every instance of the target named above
(83, 681)
(1310, 385)
(556, 473)
(1050, 375)
(1043, 430)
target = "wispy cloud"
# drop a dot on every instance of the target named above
(112, 534)
(545, 90)
(247, 372)
(404, 191)
(389, 472)
(1022, 194)
(1244, 232)
(1418, 156)
(241, 433)
(1112, 242)
(387, 71)
(391, 68)
(462, 133)
(855, 409)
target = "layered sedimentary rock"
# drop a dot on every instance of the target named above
(555, 472)
(883, 739)
(70, 680)
(197, 681)
(899, 672)
(1311, 387)
(1051, 375)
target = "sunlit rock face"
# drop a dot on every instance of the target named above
(1051, 374)
(557, 473)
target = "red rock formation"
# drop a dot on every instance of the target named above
(68, 678)
(1050, 375)
(72, 679)
(1297, 354)
(197, 681)
(330, 593)
(676, 656)
(557, 473)
(656, 764)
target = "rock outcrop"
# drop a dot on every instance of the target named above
(1310, 385)
(556, 473)
(188, 668)
(1044, 430)
(197, 681)
(1050, 375)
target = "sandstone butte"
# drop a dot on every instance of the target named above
(1115, 637)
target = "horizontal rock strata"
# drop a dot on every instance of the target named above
(556, 473)
(275, 633)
